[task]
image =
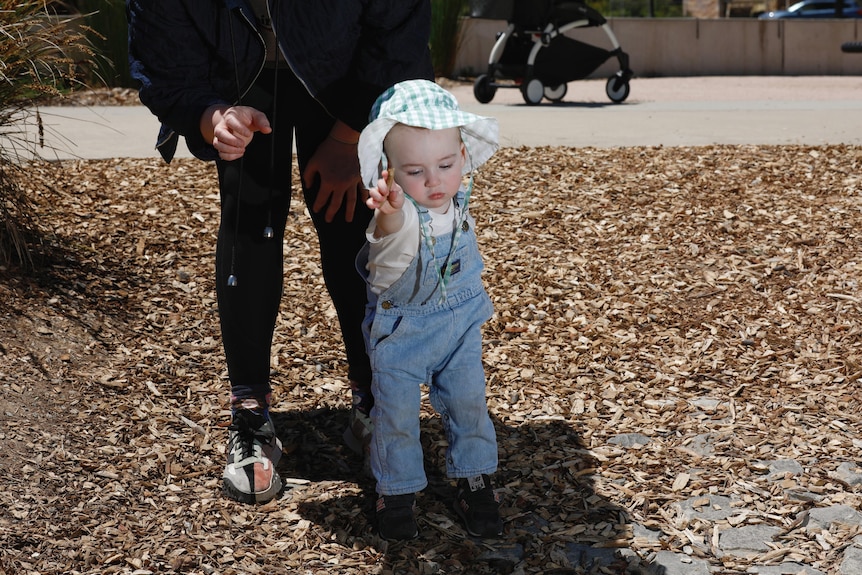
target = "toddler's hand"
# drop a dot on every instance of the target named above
(388, 197)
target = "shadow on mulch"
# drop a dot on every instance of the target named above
(542, 496)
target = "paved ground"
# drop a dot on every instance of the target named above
(659, 111)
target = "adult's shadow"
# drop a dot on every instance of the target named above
(314, 450)
(554, 517)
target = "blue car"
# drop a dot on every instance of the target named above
(815, 9)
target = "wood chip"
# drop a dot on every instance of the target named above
(705, 297)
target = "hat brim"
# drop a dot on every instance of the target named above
(480, 135)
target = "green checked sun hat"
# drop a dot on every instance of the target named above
(423, 104)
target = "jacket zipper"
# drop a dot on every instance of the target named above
(280, 49)
(288, 61)
(262, 63)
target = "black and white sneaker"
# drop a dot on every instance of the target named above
(253, 451)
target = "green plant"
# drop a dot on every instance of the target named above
(35, 61)
(445, 22)
(107, 30)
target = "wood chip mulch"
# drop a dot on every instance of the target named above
(680, 293)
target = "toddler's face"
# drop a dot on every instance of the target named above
(427, 163)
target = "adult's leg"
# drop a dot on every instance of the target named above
(340, 242)
(253, 197)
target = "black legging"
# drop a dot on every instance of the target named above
(249, 309)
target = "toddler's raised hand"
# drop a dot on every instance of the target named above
(387, 197)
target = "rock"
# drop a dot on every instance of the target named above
(708, 507)
(781, 468)
(802, 496)
(701, 445)
(651, 535)
(789, 568)
(503, 555)
(670, 563)
(629, 439)
(747, 541)
(589, 557)
(823, 517)
(706, 403)
(852, 563)
(850, 474)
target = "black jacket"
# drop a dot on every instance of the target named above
(190, 54)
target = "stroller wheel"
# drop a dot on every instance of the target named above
(617, 88)
(556, 93)
(851, 47)
(483, 89)
(533, 91)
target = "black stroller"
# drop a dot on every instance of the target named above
(534, 55)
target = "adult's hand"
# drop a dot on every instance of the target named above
(336, 164)
(231, 128)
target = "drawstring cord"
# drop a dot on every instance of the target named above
(231, 278)
(267, 231)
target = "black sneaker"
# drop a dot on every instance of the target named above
(479, 506)
(395, 517)
(253, 451)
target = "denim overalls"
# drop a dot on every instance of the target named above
(413, 338)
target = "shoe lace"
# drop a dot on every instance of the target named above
(247, 439)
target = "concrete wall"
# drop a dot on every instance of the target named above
(692, 47)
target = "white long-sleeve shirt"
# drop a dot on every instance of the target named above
(390, 256)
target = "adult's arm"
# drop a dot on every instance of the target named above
(171, 55)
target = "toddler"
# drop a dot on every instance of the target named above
(427, 302)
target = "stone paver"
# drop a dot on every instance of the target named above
(747, 541)
(785, 569)
(670, 563)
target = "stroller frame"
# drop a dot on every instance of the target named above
(540, 60)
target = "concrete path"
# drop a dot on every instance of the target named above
(660, 111)
(685, 112)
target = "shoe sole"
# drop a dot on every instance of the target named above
(394, 539)
(410, 538)
(232, 492)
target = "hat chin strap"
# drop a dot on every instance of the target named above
(461, 211)
(443, 273)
